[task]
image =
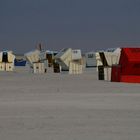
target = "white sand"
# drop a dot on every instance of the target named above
(67, 107)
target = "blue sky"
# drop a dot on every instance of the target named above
(85, 24)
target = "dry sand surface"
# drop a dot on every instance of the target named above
(67, 107)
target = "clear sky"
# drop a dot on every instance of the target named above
(85, 24)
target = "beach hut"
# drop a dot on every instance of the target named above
(49, 56)
(75, 67)
(63, 58)
(37, 64)
(7, 61)
(128, 69)
(90, 59)
(105, 61)
(70, 60)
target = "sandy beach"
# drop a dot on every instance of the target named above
(67, 107)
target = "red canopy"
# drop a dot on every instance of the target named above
(130, 61)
